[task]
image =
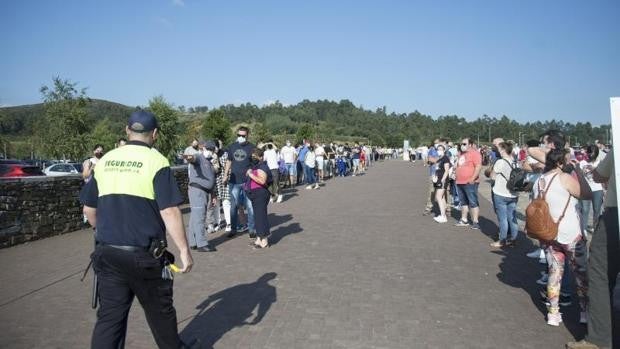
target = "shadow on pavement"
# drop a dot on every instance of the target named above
(519, 271)
(282, 231)
(228, 309)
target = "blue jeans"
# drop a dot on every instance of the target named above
(596, 204)
(505, 208)
(468, 194)
(309, 174)
(237, 196)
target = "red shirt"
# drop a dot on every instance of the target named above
(466, 166)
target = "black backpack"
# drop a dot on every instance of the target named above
(517, 181)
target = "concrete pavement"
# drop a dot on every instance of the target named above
(353, 265)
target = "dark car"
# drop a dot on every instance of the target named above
(16, 168)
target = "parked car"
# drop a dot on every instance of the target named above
(16, 168)
(63, 169)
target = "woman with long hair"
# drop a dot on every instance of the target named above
(562, 192)
(504, 200)
(441, 182)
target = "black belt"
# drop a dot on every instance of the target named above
(125, 248)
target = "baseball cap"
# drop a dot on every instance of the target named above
(142, 121)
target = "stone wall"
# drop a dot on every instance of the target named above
(37, 207)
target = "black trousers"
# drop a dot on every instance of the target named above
(260, 200)
(603, 269)
(121, 276)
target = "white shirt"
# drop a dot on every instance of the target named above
(556, 198)
(271, 157)
(502, 169)
(310, 160)
(587, 168)
(288, 154)
(319, 151)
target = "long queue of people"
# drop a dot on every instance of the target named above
(232, 184)
(571, 185)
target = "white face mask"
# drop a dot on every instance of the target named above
(241, 139)
(440, 153)
(464, 148)
(288, 144)
(208, 154)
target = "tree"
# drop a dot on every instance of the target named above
(261, 133)
(168, 120)
(217, 126)
(65, 125)
(306, 131)
(103, 134)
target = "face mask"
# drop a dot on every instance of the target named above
(463, 148)
(98, 155)
(208, 154)
(440, 153)
(254, 161)
(241, 139)
(288, 144)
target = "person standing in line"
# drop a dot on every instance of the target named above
(289, 155)
(271, 157)
(223, 194)
(199, 192)
(319, 153)
(310, 166)
(214, 204)
(467, 181)
(441, 182)
(132, 200)
(588, 165)
(604, 269)
(504, 200)
(431, 158)
(237, 164)
(301, 157)
(259, 178)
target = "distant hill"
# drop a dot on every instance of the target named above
(20, 120)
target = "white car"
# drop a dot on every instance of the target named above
(63, 169)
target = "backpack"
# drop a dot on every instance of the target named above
(517, 181)
(538, 222)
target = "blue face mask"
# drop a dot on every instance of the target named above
(241, 139)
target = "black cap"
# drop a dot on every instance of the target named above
(210, 144)
(142, 121)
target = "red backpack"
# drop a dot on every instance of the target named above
(538, 222)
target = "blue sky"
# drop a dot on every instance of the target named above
(530, 60)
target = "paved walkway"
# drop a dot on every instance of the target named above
(353, 265)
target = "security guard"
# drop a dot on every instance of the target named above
(132, 200)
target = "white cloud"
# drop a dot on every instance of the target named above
(178, 2)
(163, 21)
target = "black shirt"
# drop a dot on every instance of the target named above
(240, 156)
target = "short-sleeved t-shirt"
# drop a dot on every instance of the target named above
(288, 154)
(502, 169)
(606, 169)
(302, 153)
(440, 164)
(240, 156)
(466, 166)
(130, 186)
(432, 152)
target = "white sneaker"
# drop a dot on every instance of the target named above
(554, 319)
(271, 200)
(538, 253)
(316, 186)
(309, 187)
(583, 317)
(228, 228)
(440, 219)
(279, 198)
(210, 229)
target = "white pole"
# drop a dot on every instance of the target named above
(614, 103)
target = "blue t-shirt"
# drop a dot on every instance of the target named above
(302, 154)
(432, 152)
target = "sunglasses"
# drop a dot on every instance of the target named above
(240, 135)
(464, 144)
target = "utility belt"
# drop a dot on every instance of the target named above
(157, 247)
